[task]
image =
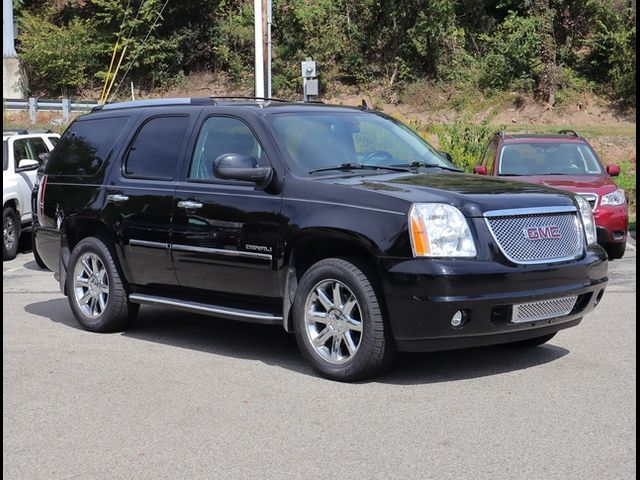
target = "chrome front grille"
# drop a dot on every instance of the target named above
(543, 310)
(592, 198)
(537, 235)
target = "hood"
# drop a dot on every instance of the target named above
(472, 194)
(600, 184)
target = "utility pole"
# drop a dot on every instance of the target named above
(262, 37)
(12, 81)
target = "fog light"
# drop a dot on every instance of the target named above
(598, 298)
(457, 319)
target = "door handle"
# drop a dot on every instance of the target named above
(116, 197)
(189, 204)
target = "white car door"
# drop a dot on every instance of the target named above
(27, 148)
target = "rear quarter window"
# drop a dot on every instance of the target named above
(155, 150)
(85, 146)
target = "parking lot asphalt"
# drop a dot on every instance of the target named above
(181, 396)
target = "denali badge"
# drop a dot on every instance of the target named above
(542, 233)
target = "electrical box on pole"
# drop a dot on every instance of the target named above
(310, 86)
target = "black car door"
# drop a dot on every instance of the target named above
(225, 233)
(140, 195)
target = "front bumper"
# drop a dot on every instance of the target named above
(422, 295)
(612, 223)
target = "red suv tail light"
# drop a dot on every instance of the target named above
(41, 190)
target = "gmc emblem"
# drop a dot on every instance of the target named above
(542, 233)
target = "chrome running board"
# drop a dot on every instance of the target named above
(213, 310)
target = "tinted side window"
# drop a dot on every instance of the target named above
(220, 135)
(37, 147)
(21, 150)
(155, 149)
(85, 146)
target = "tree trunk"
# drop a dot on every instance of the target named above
(548, 81)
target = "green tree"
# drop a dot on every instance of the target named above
(58, 59)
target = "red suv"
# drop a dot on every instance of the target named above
(565, 161)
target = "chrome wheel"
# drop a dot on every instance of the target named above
(9, 233)
(91, 285)
(333, 321)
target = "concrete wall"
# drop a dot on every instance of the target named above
(12, 78)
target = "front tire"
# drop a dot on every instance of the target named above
(339, 323)
(11, 231)
(96, 292)
(615, 251)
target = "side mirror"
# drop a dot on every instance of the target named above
(613, 170)
(26, 165)
(43, 157)
(480, 170)
(233, 166)
(446, 155)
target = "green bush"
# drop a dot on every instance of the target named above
(612, 54)
(513, 54)
(57, 59)
(627, 181)
(464, 141)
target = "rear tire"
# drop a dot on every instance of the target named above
(339, 323)
(533, 342)
(615, 251)
(96, 292)
(11, 231)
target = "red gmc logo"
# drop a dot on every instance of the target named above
(542, 233)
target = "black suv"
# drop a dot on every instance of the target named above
(339, 224)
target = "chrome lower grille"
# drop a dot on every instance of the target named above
(543, 310)
(551, 236)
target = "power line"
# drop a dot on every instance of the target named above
(139, 49)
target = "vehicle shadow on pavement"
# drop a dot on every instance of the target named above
(453, 365)
(32, 265)
(272, 346)
(57, 310)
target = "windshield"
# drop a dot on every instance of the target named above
(554, 158)
(316, 141)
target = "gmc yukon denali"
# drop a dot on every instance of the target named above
(339, 224)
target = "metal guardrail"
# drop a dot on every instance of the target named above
(32, 105)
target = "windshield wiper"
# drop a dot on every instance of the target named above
(357, 166)
(418, 164)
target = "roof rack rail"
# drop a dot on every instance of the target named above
(569, 132)
(242, 97)
(156, 102)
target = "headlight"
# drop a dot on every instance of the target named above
(613, 198)
(587, 220)
(439, 230)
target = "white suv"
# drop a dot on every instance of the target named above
(22, 153)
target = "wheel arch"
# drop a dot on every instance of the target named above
(75, 229)
(311, 245)
(13, 203)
